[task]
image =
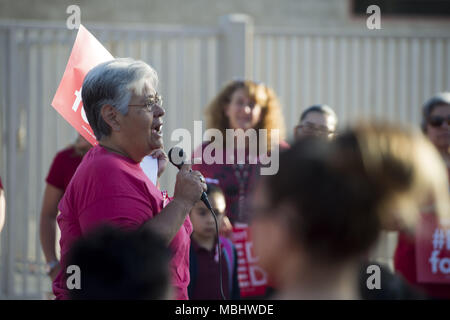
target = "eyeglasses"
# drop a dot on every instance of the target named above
(152, 103)
(309, 127)
(437, 121)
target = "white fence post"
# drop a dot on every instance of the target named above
(235, 48)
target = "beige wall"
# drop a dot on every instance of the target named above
(286, 13)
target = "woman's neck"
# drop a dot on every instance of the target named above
(112, 146)
(319, 281)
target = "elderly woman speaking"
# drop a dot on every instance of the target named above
(109, 187)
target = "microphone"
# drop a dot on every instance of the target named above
(176, 157)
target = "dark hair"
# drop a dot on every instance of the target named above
(213, 189)
(320, 108)
(120, 265)
(370, 177)
(336, 210)
(439, 99)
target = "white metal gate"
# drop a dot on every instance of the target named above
(384, 74)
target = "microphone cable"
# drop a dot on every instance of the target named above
(181, 155)
(219, 250)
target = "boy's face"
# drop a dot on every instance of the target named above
(202, 219)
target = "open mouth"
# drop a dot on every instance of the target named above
(157, 129)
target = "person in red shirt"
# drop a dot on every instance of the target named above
(2, 206)
(61, 171)
(436, 126)
(109, 187)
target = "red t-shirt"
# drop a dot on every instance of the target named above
(113, 189)
(63, 168)
(1, 186)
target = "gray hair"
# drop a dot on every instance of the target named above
(113, 82)
(442, 98)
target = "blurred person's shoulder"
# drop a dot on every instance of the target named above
(67, 152)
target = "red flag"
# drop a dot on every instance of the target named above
(87, 52)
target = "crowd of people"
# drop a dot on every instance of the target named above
(313, 224)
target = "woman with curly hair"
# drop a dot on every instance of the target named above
(242, 105)
(246, 109)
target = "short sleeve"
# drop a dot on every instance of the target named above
(1, 186)
(55, 175)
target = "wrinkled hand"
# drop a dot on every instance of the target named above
(162, 160)
(189, 185)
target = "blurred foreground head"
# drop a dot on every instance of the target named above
(329, 201)
(121, 265)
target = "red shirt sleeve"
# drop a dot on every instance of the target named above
(55, 175)
(1, 186)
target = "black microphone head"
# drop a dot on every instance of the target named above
(176, 157)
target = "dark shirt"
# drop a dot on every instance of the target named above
(205, 280)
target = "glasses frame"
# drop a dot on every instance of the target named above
(308, 127)
(152, 103)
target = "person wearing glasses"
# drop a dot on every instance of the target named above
(110, 187)
(317, 120)
(436, 126)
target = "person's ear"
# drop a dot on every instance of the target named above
(111, 116)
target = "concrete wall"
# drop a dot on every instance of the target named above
(279, 13)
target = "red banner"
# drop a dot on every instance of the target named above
(432, 251)
(87, 52)
(252, 279)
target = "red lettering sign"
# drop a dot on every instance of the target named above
(252, 278)
(432, 251)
